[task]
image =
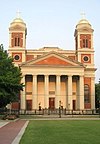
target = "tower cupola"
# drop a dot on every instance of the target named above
(84, 42)
(83, 34)
(17, 33)
(17, 40)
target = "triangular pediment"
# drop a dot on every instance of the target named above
(52, 59)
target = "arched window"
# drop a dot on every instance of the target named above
(86, 93)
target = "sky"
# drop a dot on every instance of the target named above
(51, 23)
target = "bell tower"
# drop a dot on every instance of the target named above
(84, 42)
(85, 54)
(17, 40)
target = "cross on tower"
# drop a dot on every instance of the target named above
(18, 14)
(83, 15)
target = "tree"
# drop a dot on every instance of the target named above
(10, 79)
(97, 95)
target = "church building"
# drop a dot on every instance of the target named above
(54, 76)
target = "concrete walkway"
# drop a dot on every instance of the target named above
(11, 132)
(3, 123)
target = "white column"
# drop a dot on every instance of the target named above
(46, 98)
(81, 92)
(34, 94)
(23, 95)
(78, 96)
(92, 93)
(57, 91)
(69, 91)
(66, 100)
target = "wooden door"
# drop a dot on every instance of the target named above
(52, 103)
(29, 104)
(74, 104)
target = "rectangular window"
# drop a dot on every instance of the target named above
(17, 41)
(85, 43)
(86, 94)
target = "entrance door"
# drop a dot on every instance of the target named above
(52, 103)
(74, 104)
(29, 104)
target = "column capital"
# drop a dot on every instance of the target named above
(34, 74)
(81, 75)
(70, 75)
(47, 75)
(23, 75)
(58, 75)
(92, 78)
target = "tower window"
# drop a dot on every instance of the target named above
(86, 93)
(17, 41)
(85, 42)
(86, 58)
(16, 57)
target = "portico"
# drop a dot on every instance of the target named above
(49, 90)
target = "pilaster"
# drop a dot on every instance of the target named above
(46, 99)
(81, 92)
(92, 93)
(69, 91)
(34, 93)
(57, 91)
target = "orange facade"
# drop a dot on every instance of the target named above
(53, 75)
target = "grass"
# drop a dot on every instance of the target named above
(62, 132)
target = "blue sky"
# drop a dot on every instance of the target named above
(51, 22)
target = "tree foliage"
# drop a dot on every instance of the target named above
(10, 78)
(97, 95)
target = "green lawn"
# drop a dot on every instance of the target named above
(62, 132)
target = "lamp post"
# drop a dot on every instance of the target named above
(59, 109)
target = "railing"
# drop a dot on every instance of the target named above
(51, 112)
